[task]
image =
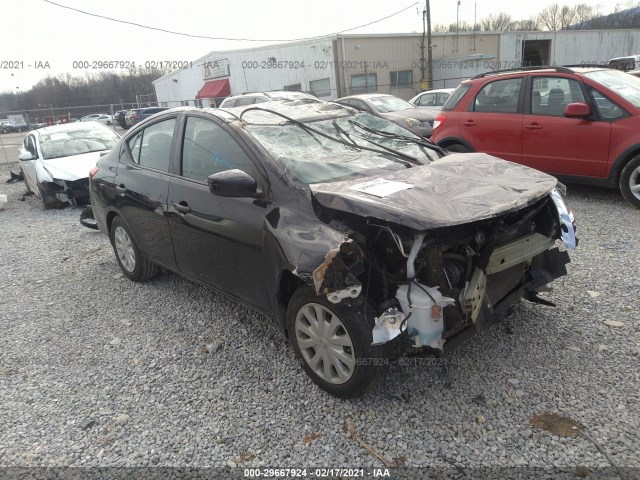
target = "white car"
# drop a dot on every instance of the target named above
(55, 161)
(432, 99)
(105, 119)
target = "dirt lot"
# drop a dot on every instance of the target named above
(98, 371)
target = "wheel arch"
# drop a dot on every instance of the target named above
(447, 141)
(619, 163)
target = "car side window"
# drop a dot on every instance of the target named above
(608, 110)
(30, 145)
(230, 103)
(359, 104)
(427, 100)
(152, 146)
(441, 99)
(260, 100)
(499, 97)
(246, 101)
(207, 149)
(550, 95)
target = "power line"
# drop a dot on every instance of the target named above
(223, 38)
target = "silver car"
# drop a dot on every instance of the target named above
(417, 120)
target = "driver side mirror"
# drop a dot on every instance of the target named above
(24, 156)
(232, 183)
(577, 110)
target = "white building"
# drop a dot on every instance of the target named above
(339, 65)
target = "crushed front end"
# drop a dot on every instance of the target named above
(432, 288)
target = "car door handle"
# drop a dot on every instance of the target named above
(120, 189)
(182, 207)
(469, 123)
(533, 126)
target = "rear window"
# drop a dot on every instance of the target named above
(456, 96)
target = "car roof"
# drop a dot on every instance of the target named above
(438, 90)
(567, 69)
(367, 96)
(67, 127)
(298, 111)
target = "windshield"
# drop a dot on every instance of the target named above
(76, 142)
(625, 85)
(390, 104)
(309, 158)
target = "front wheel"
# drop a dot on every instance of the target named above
(334, 343)
(630, 182)
(133, 264)
(457, 148)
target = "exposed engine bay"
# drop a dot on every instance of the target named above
(434, 286)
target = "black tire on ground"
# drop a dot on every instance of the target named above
(630, 178)
(369, 364)
(49, 200)
(457, 148)
(132, 263)
(87, 219)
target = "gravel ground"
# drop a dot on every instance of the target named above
(96, 370)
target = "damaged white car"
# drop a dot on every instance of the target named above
(55, 161)
(363, 240)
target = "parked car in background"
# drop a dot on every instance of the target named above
(243, 99)
(4, 127)
(629, 64)
(348, 229)
(139, 114)
(92, 117)
(55, 161)
(417, 120)
(118, 118)
(432, 99)
(105, 119)
(579, 124)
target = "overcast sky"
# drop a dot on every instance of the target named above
(34, 32)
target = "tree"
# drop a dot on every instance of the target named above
(583, 12)
(550, 17)
(531, 25)
(567, 16)
(500, 22)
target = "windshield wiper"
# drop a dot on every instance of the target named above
(424, 143)
(408, 159)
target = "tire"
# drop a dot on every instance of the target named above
(630, 182)
(457, 148)
(132, 263)
(49, 200)
(87, 219)
(356, 365)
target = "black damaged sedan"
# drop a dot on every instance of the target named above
(364, 241)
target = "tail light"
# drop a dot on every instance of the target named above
(93, 172)
(439, 120)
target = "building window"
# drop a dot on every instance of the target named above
(293, 88)
(364, 83)
(320, 88)
(402, 79)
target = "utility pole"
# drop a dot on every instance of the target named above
(423, 60)
(458, 28)
(429, 46)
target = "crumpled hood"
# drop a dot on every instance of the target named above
(71, 168)
(456, 189)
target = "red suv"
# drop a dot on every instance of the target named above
(579, 124)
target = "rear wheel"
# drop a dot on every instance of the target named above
(334, 343)
(630, 182)
(133, 264)
(457, 148)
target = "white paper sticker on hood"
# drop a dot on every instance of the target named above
(380, 187)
